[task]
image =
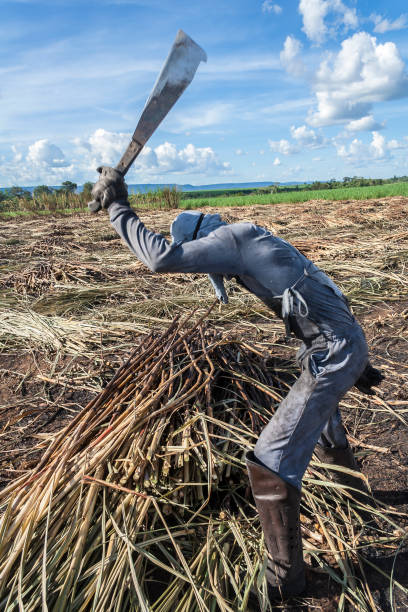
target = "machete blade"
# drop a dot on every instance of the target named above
(177, 73)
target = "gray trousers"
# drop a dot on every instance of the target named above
(330, 366)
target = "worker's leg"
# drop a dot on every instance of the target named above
(286, 444)
(333, 449)
(333, 434)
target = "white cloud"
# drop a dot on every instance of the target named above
(277, 161)
(103, 147)
(43, 152)
(378, 146)
(303, 137)
(45, 163)
(354, 151)
(42, 163)
(314, 13)
(239, 152)
(384, 25)
(269, 7)
(367, 123)
(378, 149)
(363, 72)
(290, 57)
(166, 159)
(284, 147)
(306, 137)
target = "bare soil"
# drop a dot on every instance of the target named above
(363, 245)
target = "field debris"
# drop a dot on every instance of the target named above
(142, 499)
(66, 330)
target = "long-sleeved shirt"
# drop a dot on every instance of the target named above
(269, 267)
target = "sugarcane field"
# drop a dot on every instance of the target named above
(203, 306)
(128, 402)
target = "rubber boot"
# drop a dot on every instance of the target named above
(278, 506)
(344, 457)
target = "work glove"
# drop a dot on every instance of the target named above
(110, 187)
(371, 377)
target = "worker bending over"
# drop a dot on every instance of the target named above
(333, 355)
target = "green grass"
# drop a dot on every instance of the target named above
(252, 199)
(343, 193)
(11, 214)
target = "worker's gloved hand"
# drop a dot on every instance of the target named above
(110, 187)
(371, 377)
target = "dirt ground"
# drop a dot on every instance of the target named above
(74, 300)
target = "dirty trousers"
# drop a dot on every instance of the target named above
(330, 365)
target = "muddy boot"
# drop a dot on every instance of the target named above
(344, 457)
(278, 504)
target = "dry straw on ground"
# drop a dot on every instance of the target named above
(73, 298)
(142, 502)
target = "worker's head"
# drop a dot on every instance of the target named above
(191, 225)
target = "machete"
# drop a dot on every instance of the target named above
(177, 73)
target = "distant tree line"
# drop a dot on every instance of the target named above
(67, 188)
(355, 181)
(348, 181)
(44, 197)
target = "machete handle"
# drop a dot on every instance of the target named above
(94, 206)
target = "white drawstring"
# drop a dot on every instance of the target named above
(289, 297)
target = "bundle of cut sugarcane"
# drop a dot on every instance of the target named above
(113, 516)
(142, 502)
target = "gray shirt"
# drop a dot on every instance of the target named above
(269, 267)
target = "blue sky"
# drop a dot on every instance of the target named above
(292, 90)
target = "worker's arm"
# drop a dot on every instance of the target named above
(214, 254)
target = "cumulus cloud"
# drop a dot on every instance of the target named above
(103, 147)
(269, 7)
(384, 25)
(306, 137)
(367, 123)
(378, 149)
(290, 57)
(354, 151)
(277, 161)
(41, 162)
(378, 146)
(166, 159)
(315, 12)
(43, 152)
(284, 147)
(303, 138)
(44, 162)
(363, 72)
